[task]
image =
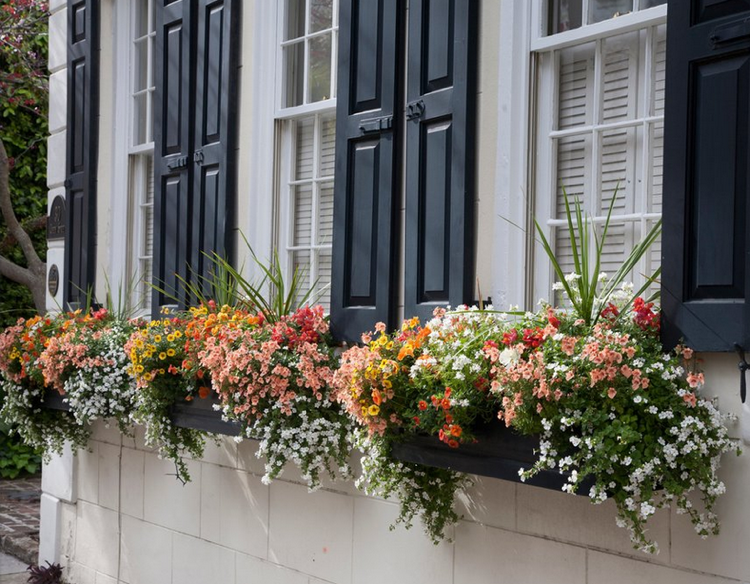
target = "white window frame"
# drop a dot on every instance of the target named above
(128, 196)
(522, 34)
(285, 132)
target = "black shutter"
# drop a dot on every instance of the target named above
(440, 146)
(216, 119)
(173, 156)
(367, 167)
(195, 123)
(706, 183)
(81, 149)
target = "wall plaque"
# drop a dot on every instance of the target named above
(56, 219)
(53, 280)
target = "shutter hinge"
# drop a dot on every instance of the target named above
(198, 157)
(376, 125)
(179, 162)
(414, 110)
(734, 31)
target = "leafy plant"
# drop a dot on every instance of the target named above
(49, 574)
(585, 289)
(16, 458)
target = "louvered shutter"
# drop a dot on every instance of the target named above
(81, 149)
(173, 116)
(706, 181)
(440, 147)
(214, 151)
(367, 167)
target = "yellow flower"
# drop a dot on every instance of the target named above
(170, 352)
(157, 338)
(170, 338)
(373, 410)
(162, 355)
(177, 335)
(139, 368)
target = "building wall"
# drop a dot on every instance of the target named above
(116, 514)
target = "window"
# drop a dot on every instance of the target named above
(141, 150)
(307, 126)
(599, 125)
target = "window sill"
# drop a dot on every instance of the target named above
(499, 453)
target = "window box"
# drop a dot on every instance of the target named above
(53, 400)
(199, 414)
(499, 452)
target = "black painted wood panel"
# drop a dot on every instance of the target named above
(440, 155)
(368, 130)
(81, 150)
(705, 278)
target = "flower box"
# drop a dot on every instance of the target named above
(53, 400)
(499, 452)
(199, 414)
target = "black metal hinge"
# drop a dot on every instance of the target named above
(177, 163)
(373, 125)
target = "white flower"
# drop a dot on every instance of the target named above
(509, 356)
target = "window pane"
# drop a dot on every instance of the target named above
(304, 149)
(301, 265)
(327, 147)
(321, 14)
(141, 19)
(660, 71)
(295, 19)
(564, 15)
(323, 287)
(294, 62)
(140, 65)
(652, 3)
(617, 171)
(576, 87)
(657, 167)
(319, 72)
(325, 214)
(303, 209)
(573, 170)
(620, 89)
(140, 119)
(600, 10)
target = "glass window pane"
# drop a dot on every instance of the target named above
(620, 59)
(140, 119)
(573, 170)
(294, 62)
(600, 10)
(325, 214)
(564, 15)
(327, 147)
(303, 208)
(660, 71)
(304, 146)
(576, 87)
(319, 72)
(301, 265)
(323, 288)
(657, 167)
(321, 14)
(295, 19)
(140, 65)
(652, 3)
(141, 19)
(617, 170)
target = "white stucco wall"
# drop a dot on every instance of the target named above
(116, 514)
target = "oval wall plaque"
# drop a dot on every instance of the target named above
(56, 219)
(53, 280)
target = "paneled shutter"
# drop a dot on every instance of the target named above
(82, 148)
(173, 117)
(440, 147)
(367, 169)
(197, 52)
(216, 119)
(706, 181)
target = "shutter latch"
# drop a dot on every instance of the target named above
(176, 163)
(734, 31)
(376, 125)
(414, 110)
(198, 157)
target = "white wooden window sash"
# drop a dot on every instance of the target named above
(590, 140)
(141, 153)
(305, 158)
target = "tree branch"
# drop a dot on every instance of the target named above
(36, 265)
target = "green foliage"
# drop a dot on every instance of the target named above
(16, 458)
(23, 131)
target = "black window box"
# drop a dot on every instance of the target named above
(199, 414)
(53, 400)
(499, 452)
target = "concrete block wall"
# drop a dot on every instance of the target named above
(134, 523)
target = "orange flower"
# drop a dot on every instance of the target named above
(376, 397)
(422, 405)
(456, 431)
(203, 392)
